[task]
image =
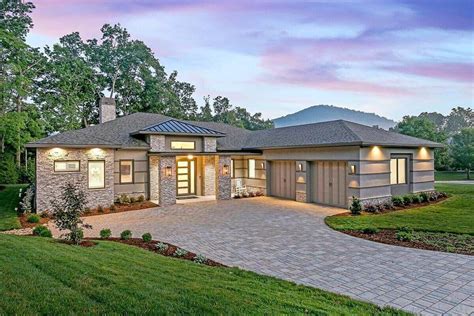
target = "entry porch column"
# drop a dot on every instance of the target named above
(223, 178)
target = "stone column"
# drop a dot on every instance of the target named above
(167, 183)
(209, 175)
(223, 183)
(154, 178)
(303, 181)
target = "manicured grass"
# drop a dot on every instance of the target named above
(450, 175)
(8, 201)
(454, 215)
(42, 276)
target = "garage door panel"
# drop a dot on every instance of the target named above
(329, 182)
(283, 179)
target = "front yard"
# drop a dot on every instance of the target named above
(47, 277)
(8, 202)
(450, 175)
(446, 226)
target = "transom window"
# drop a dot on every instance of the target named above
(126, 171)
(251, 165)
(183, 145)
(96, 174)
(398, 171)
(67, 166)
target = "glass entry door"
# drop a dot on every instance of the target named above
(186, 177)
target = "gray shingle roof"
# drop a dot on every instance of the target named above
(117, 134)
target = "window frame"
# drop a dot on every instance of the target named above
(397, 171)
(232, 168)
(183, 141)
(254, 168)
(88, 174)
(132, 171)
(66, 161)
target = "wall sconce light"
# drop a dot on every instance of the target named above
(262, 165)
(352, 169)
(190, 157)
(225, 170)
(56, 152)
(168, 171)
(300, 167)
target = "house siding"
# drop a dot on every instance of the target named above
(140, 173)
(49, 182)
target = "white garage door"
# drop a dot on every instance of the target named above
(283, 179)
(329, 183)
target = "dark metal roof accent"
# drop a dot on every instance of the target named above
(179, 127)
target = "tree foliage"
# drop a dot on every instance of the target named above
(462, 150)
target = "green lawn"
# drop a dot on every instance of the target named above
(454, 215)
(450, 175)
(8, 201)
(42, 276)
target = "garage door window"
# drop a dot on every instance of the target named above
(251, 163)
(398, 171)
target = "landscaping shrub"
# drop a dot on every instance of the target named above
(124, 199)
(415, 198)
(146, 237)
(67, 211)
(100, 209)
(404, 236)
(370, 230)
(407, 200)
(397, 200)
(45, 214)
(388, 205)
(180, 252)
(42, 231)
(161, 246)
(371, 208)
(200, 259)
(141, 198)
(132, 199)
(424, 197)
(251, 194)
(405, 229)
(356, 206)
(112, 207)
(259, 193)
(126, 234)
(26, 203)
(105, 233)
(33, 218)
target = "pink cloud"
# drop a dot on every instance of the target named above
(462, 72)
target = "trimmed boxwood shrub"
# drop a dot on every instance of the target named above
(126, 234)
(105, 233)
(33, 218)
(42, 231)
(415, 198)
(397, 200)
(146, 237)
(407, 200)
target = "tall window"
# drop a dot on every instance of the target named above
(232, 168)
(96, 172)
(251, 166)
(183, 145)
(126, 171)
(398, 171)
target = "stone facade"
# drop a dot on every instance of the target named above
(223, 182)
(106, 110)
(209, 177)
(157, 143)
(154, 178)
(49, 182)
(301, 196)
(167, 183)
(210, 144)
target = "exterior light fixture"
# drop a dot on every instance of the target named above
(225, 170)
(300, 167)
(168, 171)
(190, 157)
(56, 152)
(353, 169)
(262, 165)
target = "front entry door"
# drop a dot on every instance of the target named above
(186, 177)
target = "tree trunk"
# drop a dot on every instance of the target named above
(18, 157)
(3, 144)
(468, 173)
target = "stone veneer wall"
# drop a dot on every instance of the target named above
(223, 182)
(157, 143)
(303, 180)
(209, 177)
(167, 184)
(210, 144)
(154, 178)
(48, 182)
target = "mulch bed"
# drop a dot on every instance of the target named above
(397, 208)
(84, 243)
(389, 236)
(151, 246)
(119, 208)
(25, 224)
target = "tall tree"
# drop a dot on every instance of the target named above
(462, 150)
(458, 119)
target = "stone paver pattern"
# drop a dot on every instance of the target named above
(290, 240)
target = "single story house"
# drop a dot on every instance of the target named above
(165, 159)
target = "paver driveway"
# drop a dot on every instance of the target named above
(289, 240)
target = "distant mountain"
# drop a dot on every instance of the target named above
(323, 113)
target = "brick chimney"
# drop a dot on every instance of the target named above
(106, 109)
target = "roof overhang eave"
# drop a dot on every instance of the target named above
(176, 134)
(33, 145)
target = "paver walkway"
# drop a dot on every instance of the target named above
(289, 240)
